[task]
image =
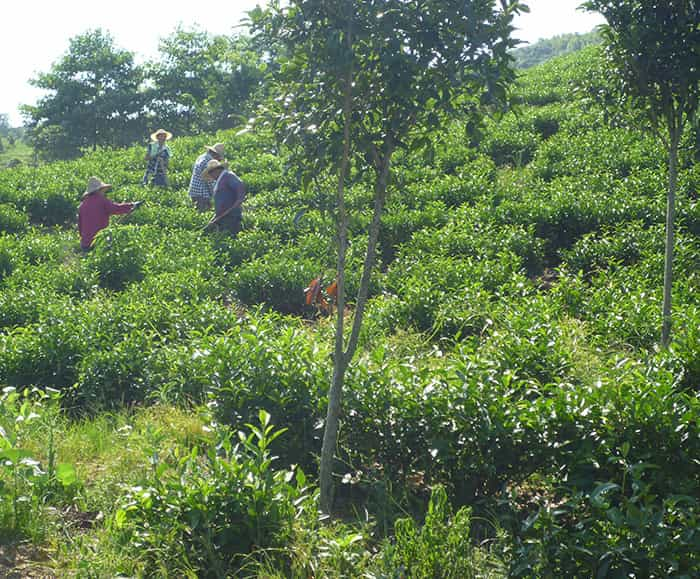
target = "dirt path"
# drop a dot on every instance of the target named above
(21, 560)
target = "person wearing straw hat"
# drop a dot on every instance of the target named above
(158, 157)
(95, 210)
(229, 193)
(201, 191)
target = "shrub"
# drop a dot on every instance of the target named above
(510, 142)
(400, 222)
(7, 256)
(45, 354)
(204, 514)
(451, 296)
(440, 548)
(51, 209)
(616, 152)
(119, 256)
(612, 530)
(263, 362)
(276, 280)
(114, 377)
(467, 236)
(686, 346)
(613, 247)
(463, 425)
(11, 220)
(567, 208)
(247, 246)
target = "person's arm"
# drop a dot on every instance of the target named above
(118, 208)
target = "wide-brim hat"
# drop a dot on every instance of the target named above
(219, 149)
(95, 184)
(213, 165)
(168, 135)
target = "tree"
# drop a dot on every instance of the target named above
(241, 88)
(360, 80)
(655, 49)
(94, 99)
(201, 82)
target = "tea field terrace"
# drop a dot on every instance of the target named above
(509, 353)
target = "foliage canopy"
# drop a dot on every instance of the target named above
(94, 98)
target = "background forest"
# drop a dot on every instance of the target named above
(97, 95)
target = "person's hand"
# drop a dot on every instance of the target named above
(137, 204)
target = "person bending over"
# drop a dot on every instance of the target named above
(229, 193)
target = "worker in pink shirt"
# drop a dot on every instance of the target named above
(95, 210)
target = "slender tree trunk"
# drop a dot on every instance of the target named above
(670, 237)
(330, 434)
(342, 361)
(380, 192)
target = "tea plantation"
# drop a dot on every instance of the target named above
(509, 414)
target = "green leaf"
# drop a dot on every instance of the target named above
(120, 518)
(597, 498)
(66, 475)
(14, 455)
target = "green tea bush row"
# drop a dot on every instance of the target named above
(205, 514)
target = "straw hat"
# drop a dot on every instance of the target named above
(219, 150)
(213, 165)
(168, 135)
(94, 184)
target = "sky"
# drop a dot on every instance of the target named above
(33, 37)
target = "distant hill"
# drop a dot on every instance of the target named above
(543, 50)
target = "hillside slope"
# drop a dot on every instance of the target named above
(509, 353)
(548, 48)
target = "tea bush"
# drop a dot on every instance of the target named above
(511, 141)
(119, 257)
(276, 280)
(203, 514)
(614, 247)
(7, 257)
(440, 548)
(618, 152)
(620, 529)
(11, 220)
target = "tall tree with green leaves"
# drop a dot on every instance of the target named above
(93, 98)
(202, 82)
(654, 47)
(361, 80)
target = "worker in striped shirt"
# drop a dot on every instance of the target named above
(201, 191)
